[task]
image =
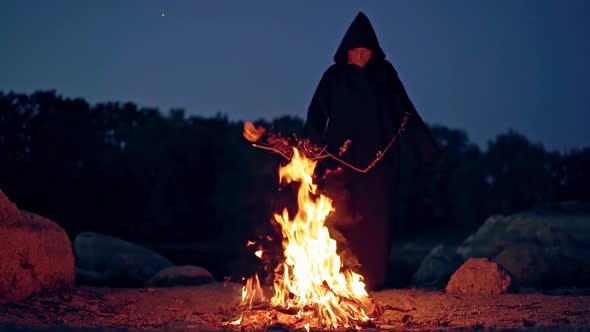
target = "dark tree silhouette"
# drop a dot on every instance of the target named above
(517, 173)
(196, 183)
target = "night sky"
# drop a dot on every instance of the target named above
(482, 66)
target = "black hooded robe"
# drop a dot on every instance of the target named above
(367, 106)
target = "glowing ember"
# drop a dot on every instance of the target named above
(258, 253)
(310, 281)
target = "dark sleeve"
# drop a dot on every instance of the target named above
(318, 112)
(423, 145)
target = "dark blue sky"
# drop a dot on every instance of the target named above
(483, 66)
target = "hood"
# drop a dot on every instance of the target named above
(359, 34)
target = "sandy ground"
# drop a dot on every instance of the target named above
(210, 307)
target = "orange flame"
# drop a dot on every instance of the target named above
(258, 253)
(251, 132)
(311, 279)
(252, 292)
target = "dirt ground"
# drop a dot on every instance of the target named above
(211, 307)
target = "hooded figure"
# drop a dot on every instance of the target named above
(360, 98)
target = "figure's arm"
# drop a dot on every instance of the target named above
(317, 113)
(422, 143)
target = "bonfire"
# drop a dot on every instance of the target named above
(311, 289)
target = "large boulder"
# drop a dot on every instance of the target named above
(90, 277)
(186, 275)
(436, 269)
(547, 228)
(35, 254)
(533, 266)
(121, 263)
(405, 258)
(526, 264)
(490, 239)
(479, 276)
(540, 249)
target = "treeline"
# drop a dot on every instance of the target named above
(141, 175)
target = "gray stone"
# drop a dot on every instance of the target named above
(186, 275)
(547, 228)
(525, 262)
(436, 269)
(541, 249)
(489, 240)
(123, 264)
(89, 277)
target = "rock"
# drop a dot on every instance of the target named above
(499, 231)
(35, 254)
(9, 213)
(541, 249)
(489, 240)
(552, 235)
(123, 264)
(89, 277)
(567, 259)
(479, 276)
(436, 269)
(525, 262)
(186, 275)
(405, 258)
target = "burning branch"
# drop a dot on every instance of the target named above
(277, 143)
